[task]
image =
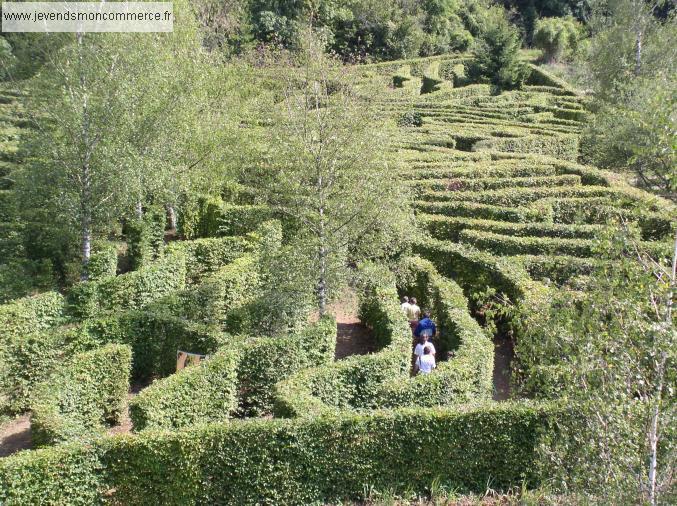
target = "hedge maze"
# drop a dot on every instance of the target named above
(500, 201)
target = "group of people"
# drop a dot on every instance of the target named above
(424, 331)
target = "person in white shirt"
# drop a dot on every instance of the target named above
(405, 305)
(422, 344)
(426, 362)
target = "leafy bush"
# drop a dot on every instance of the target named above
(204, 256)
(558, 38)
(196, 394)
(296, 461)
(266, 361)
(145, 237)
(103, 262)
(84, 395)
(133, 290)
(353, 383)
(410, 118)
(496, 56)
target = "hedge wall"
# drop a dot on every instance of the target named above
(197, 394)
(266, 361)
(353, 383)
(209, 216)
(83, 396)
(133, 290)
(205, 256)
(31, 314)
(103, 262)
(21, 321)
(293, 461)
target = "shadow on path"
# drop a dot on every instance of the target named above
(15, 435)
(503, 353)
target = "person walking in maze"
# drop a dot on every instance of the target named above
(426, 327)
(413, 313)
(405, 305)
(422, 344)
(425, 363)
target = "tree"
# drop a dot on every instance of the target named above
(637, 133)
(325, 172)
(632, 66)
(110, 112)
(558, 38)
(496, 54)
(609, 351)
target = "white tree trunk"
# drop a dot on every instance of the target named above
(138, 209)
(86, 231)
(638, 51)
(171, 216)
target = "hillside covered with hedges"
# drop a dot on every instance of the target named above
(217, 191)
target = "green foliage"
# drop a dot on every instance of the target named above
(496, 56)
(83, 395)
(145, 237)
(197, 394)
(209, 216)
(609, 348)
(206, 256)
(558, 38)
(133, 290)
(300, 461)
(104, 260)
(266, 361)
(636, 132)
(353, 383)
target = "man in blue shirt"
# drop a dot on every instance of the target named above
(425, 326)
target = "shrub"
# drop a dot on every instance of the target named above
(145, 237)
(133, 290)
(205, 256)
(410, 118)
(197, 394)
(496, 56)
(558, 38)
(266, 361)
(353, 383)
(31, 314)
(79, 399)
(103, 262)
(296, 461)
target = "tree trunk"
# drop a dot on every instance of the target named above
(86, 231)
(171, 216)
(138, 209)
(638, 51)
(322, 259)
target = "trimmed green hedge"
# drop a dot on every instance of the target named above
(197, 394)
(154, 338)
(354, 382)
(83, 396)
(266, 361)
(209, 216)
(465, 377)
(205, 256)
(145, 237)
(294, 461)
(133, 290)
(475, 210)
(103, 262)
(31, 314)
(449, 228)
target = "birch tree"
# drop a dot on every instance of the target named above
(325, 171)
(107, 110)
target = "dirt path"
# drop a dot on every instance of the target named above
(503, 353)
(353, 338)
(15, 435)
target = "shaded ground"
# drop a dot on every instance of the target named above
(15, 435)
(125, 425)
(503, 353)
(353, 338)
